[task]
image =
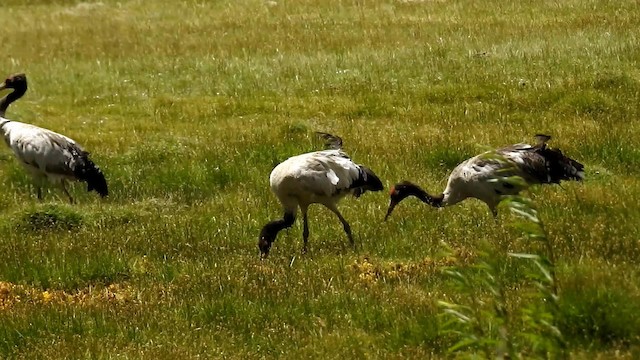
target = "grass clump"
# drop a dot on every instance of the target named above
(51, 218)
(599, 315)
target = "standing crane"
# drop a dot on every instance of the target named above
(483, 176)
(320, 177)
(46, 154)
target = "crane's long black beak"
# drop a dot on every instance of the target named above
(392, 205)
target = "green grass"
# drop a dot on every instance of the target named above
(187, 106)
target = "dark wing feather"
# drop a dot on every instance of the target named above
(367, 181)
(561, 167)
(332, 141)
(79, 165)
(543, 164)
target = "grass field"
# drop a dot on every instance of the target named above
(188, 105)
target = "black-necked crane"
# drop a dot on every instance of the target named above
(320, 177)
(483, 176)
(44, 153)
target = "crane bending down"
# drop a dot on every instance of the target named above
(320, 177)
(44, 153)
(480, 176)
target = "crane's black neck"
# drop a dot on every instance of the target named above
(9, 98)
(272, 228)
(270, 231)
(417, 191)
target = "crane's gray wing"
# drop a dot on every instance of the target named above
(325, 172)
(44, 149)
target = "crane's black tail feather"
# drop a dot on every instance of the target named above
(561, 167)
(87, 171)
(367, 181)
(332, 141)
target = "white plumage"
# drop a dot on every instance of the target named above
(318, 175)
(321, 177)
(483, 176)
(47, 155)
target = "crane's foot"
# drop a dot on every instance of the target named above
(350, 237)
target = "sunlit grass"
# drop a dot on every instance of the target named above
(187, 106)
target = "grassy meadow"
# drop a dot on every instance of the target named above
(188, 105)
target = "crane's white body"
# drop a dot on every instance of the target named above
(322, 177)
(47, 155)
(476, 177)
(43, 153)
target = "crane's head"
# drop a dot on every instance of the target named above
(17, 82)
(399, 192)
(267, 237)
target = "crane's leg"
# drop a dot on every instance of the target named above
(38, 181)
(305, 228)
(345, 224)
(64, 188)
(494, 211)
